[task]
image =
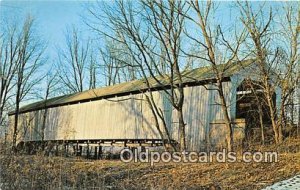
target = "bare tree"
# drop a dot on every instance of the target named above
(115, 67)
(10, 43)
(139, 28)
(77, 64)
(51, 89)
(92, 71)
(289, 76)
(29, 58)
(217, 51)
(275, 64)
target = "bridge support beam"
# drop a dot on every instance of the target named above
(88, 151)
(100, 152)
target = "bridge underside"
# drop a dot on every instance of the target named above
(90, 148)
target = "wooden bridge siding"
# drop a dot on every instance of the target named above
(105, 119)
(200, 109)
(196, 115)
(132, 118)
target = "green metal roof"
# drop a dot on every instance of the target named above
(192, 76)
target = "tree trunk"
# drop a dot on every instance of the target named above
(261, 125)
(15, 131)
(43, 127)
(181, 130)
(157, 125)
(168, 133)
(229, 134)
(276, 129)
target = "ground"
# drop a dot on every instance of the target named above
(38, 172)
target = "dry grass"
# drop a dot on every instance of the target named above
(38, 172)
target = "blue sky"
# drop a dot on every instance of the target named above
(51, 18)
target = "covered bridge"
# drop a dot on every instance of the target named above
(120, 114)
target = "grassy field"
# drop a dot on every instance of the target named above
(38, 172)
